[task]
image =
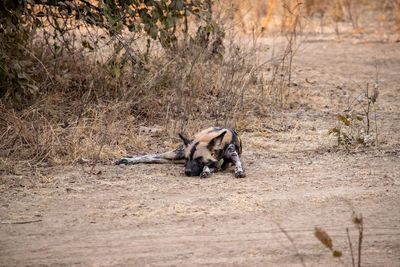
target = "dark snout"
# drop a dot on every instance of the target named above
(189, 172)
(193, 170)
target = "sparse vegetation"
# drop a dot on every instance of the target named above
(355, 125)
(326, 240)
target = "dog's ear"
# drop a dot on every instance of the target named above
(186, 141)
(216, 142)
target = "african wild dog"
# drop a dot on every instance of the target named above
(210, 150)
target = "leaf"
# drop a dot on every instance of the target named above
(153, 32)
(360, 140)
(221, 57)
(343, 119)
(219, 166)
(34, 77)
(356, 219)
(334, 131)
(116, 72)
(178, 5)
(375, 94)
(155, 14)
(323, 237)
(214, 25)
(149, 2)
(131, 27)
(38, 23)
(87, 45)
(144, 15)
(337, 254)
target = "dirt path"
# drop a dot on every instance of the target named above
(153, 215)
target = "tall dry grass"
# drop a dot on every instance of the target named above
(84, 108)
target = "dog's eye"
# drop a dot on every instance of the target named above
(216, 153)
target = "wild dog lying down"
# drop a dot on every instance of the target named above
(210, 150)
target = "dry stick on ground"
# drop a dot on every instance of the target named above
(293, 244)
(351, 247)
(23, 222)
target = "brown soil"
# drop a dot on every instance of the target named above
(296, 180)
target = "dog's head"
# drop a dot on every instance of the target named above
(202, 152)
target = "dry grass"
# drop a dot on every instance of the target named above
(49, 133)
(94, 104)
(319, 16)
(83, 109)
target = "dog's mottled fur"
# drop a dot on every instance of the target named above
(210, 150)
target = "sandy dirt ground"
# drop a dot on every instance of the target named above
(296, 180)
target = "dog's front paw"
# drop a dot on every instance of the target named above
(204, 175)
(240, 174)
(121, 161)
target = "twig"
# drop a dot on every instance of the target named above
(376, 127)
(351, 247)
(293, 244)
(360, 238)
(40, 62)
(376, 93)
(368, 108)
(158, 72)
(97, 157)
(22, 222)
